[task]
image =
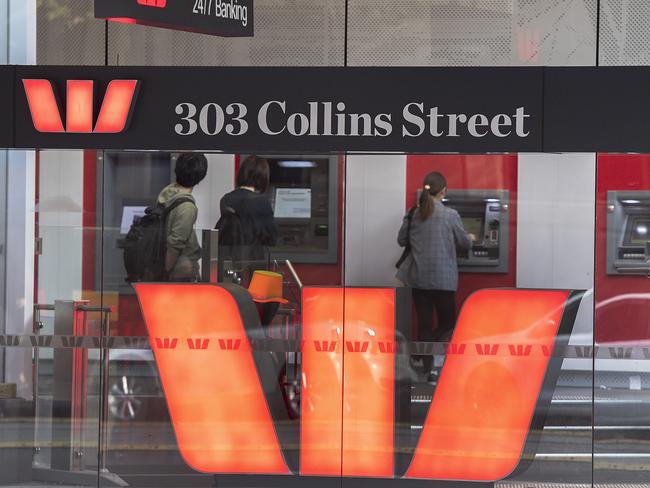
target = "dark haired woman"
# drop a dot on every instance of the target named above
(431, 269)
(246, 227)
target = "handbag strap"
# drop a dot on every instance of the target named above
(407, 247)
(409, 218)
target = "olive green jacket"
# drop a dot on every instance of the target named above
(181, 237)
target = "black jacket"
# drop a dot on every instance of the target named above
(246, 230)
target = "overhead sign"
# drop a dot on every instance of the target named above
(597, 109)
(285, 110)
(229, 18)
(305, 109)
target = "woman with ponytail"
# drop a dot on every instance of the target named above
(432, 232)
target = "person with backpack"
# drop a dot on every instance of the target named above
(182, 246)
(162, 244)
(246, 227)
(431, 233)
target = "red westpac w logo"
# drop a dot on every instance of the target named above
(153, 3)
(114, 112)
(229, 416)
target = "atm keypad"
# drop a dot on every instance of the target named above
(633, 255)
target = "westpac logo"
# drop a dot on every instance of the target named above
(153, 3)
(229, 416)
(79, 112)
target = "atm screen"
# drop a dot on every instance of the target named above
(130, 215)
(292, 203)
(473, 225)
(638, 231)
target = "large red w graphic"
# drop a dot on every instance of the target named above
(114, 114)
(223, 403)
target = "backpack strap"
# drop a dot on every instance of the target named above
(178, 201)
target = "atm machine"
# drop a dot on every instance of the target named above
(131, 182)
(628, 233)
(486, 214)
(303, 191)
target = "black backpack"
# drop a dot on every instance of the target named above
(232, 243)
(145, 245)
(240, 249)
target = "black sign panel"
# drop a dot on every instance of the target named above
(597, 109)
(303, 109)
(231, 18)
(7, 96)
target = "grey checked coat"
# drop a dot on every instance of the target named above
(432, 265)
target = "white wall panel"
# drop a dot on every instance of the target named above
(20, 213)
(60, 219)
(20, 266)
(555, 220)
(555, 227)
(375, 195)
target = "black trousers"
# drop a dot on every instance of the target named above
(444, 302)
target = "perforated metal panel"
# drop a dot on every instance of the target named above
(287, 33)
(472, 33)
(381, 32)
(624, 32)
(68, 33)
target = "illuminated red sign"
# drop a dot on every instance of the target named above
(216, 17)
(222, 408)
(114, 113)
(153, 3)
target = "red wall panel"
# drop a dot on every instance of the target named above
(89, 220)
(619, 318)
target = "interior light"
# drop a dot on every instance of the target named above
(297, 164)
(631, 202)
(642, 229)
(491, 200)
